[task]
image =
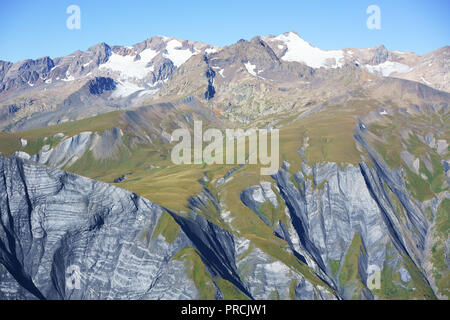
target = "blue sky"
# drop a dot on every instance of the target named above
(32, 29)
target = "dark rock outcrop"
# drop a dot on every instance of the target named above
(100, 84)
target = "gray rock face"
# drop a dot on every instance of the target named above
(262, 275)
(54, 223)
(412, 162)
(4, 66)
(442, 147)
(268, 278)
(325, 215)
(163, 69)
(404, 275)
(216, 247)
(324, 221)
(380, 55)
(67, 237)
(411, 242)
(71, 149)
(67, 149)
(55, 226)
(24, 73)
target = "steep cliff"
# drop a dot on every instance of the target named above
(63, 236)
(53, 223)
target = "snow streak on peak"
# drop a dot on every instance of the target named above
(176, 53)
(301, 51)
(250, 68)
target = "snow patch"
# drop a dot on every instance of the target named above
(176, 54)
(210, 50)
(250, 68)
(387, 68)
(125, 89)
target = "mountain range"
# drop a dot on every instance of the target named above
(45, 91)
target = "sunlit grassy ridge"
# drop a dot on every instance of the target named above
(330, 139)
(349, 272)
(391, 143)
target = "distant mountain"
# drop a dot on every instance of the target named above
(431, 69)
(48, 85)
(378, 60)
(139, 67)
(274, 71)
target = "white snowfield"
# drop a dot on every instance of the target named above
(176, 54)
(301, 51)
(125, 89)
(128, 66)
(387, 68)
(210, 50)
(131, 69)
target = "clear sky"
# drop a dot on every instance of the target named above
(36, 28)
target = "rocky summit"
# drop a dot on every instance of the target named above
(93, 207)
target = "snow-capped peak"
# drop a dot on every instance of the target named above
(136, 69)
(301, 51)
